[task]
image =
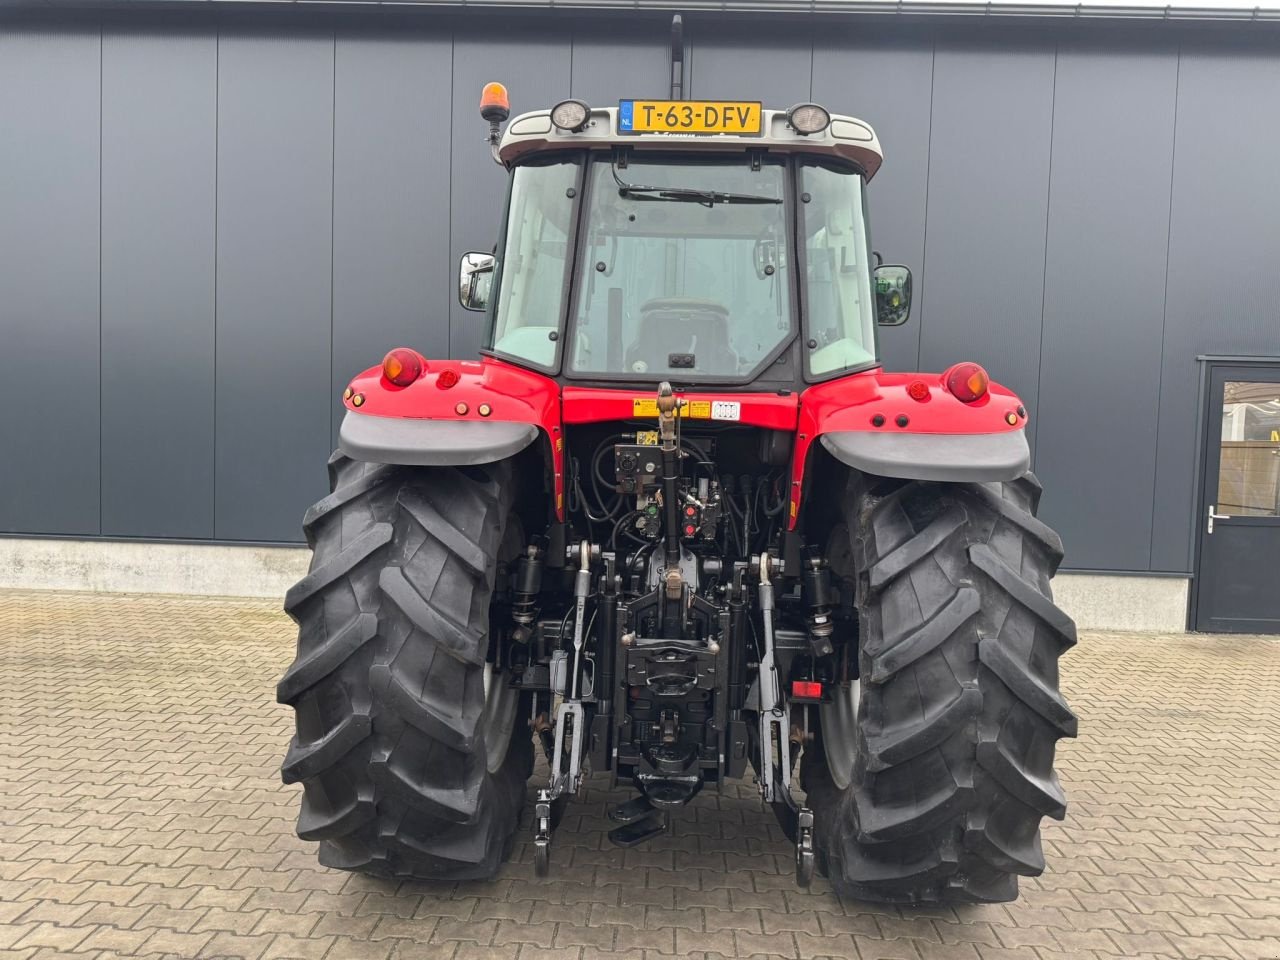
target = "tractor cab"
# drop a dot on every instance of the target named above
(704, 243)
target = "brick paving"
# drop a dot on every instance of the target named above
(143, 815)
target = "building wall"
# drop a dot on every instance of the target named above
(206, 226)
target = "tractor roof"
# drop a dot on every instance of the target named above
(844, 137)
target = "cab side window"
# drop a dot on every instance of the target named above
(533, 265)
(840, 310)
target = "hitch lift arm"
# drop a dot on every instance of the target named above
(775, 724)
(570, 721)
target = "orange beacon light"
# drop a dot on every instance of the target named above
(494, 104)
(494, 107)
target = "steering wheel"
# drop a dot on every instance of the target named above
(679, 304)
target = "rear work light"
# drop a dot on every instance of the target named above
(967, 382)
(570, 115)
(806, 690)
(807, 118)
(402, 366)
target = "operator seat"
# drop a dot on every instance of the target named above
(682, 325)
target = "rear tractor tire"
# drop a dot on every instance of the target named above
(929, 775)
(413, 752)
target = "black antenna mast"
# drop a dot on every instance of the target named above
(677, 58)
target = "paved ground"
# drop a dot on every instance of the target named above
(144, 815)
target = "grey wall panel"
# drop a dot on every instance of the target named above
(49, 435)
(1224, 245)
(610, 66)
(1099, 394)
(390, 202)
(888, 83)
(982, 283)
(275, 177)
(159, 102)
(730, 61)
(535, 68)
(278, 210)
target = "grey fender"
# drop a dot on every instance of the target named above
(431, 442)
(960, 458)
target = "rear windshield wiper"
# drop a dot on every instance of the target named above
(708, 198)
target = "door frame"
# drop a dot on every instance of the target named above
(1204, 423)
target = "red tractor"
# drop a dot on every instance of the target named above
(675, 525)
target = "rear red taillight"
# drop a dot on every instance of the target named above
(967, 382)
(918, 390)
(402, 366)
(806, 690)
(447, 379)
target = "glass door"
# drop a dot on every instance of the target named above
(1238, 571)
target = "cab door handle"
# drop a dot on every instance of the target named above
(1215, 516)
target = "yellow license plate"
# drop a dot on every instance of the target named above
(734, 117)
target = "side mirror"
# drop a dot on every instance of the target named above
(475, 277)
(893, 295)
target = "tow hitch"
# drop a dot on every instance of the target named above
(640, 820)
